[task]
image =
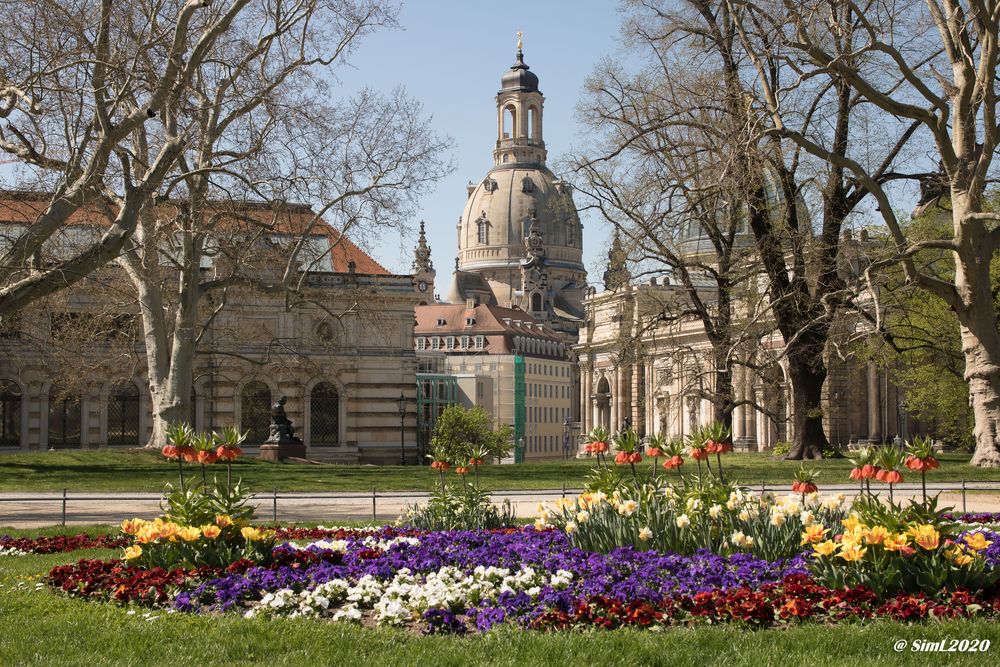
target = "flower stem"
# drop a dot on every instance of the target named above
(923, 484)
(718, 457)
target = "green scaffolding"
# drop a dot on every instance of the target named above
(519, 411)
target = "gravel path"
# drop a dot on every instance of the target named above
(34, 509)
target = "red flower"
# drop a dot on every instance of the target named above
(475, 462)
(440, 465)
(868, 471)
(188, 454)
(228, 453)
(206, 457)
(461, 470)
(673, 462)
(857, 473)
(171, 452)
(599, 447)
(880, 474)
(892, 477)
(699, 453)
(655, 452)
(803, 487)
(920, 465)
(621, 458)
(711, 446)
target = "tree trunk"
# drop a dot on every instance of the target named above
(982, 372)
(722, 406)
(807, 378)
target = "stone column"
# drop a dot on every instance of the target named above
(613, 405)
(874, 404)
(586, 380)
(751, 414)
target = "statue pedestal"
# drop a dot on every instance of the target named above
(276, 451)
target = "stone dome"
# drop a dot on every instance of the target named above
(498, 212)
(519, 78)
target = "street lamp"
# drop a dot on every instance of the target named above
(401, 406)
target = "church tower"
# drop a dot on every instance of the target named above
(423, 267)
(520, 231)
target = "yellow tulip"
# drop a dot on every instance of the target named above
(851, 552)
(825, 548)
(168, 529)
(894, 542)
(813, 533)
(148, 533)
(876, 535)
(132, 526)
(977, 541)
(926, 536)
(133, 552)
(959, 556)
(851, 522)
(223, 520)
(189, 534)
(211, 531)
(251, 534)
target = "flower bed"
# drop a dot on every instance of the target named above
(459, 581)
(60, 543)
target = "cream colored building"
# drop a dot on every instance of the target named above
(341, 377)
(652, 375)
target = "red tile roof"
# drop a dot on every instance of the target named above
(24, 207)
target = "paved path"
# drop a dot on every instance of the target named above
(29, 510)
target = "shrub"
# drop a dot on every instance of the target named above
(463, 508)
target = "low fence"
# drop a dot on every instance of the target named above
(273, 498)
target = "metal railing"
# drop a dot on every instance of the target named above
(964, 487)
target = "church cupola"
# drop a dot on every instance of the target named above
(519, 116)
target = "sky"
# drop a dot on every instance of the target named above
(450, 55)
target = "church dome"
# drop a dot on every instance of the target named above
(503, 206)
(519, 77)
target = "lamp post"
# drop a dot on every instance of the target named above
(401, 406)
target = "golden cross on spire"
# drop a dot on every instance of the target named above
(519, 44)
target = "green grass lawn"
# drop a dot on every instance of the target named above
(39, 627)
(148, 471)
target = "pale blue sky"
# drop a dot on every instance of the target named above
(450, 55)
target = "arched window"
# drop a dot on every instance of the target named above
(509, 122)
(324, 415)
(255, 412)
(123, 414)
(483, 231)
(10, 418)
(536, 302)
(532, 120)
(64, 420)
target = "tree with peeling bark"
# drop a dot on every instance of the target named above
(252, 122)
(82, 83)
(943, 56)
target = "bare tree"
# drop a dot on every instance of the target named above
(943, 57)
(797, 245)
(663, 177)
(265, 130)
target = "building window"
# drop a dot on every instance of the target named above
(441, 322)
(10, 418)
(570, 234)
(123, 415)
(465, 342)
(480, 342)
(435, 343)
(451, 342)
(421, 343)
(324, 416)
(255, 412)
(482, 231)
(64, 420)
